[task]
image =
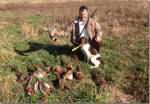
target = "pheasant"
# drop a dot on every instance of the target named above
(67, 65)
(78, 74)
(99, 81)
(58, 69)
(21, 76)
(39, 73)
(53, 68)
(47, 66)
(45, 87)
(36, 86)
(69, 74)
(30, 89)
(63, 84)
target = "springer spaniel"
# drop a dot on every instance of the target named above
(91, 54)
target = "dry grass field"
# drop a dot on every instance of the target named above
(125, 49)
(38, 1)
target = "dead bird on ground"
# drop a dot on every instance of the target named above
(39, 73)
(69, 74)
(62, 83)
(67, 65)
(21, 77)
(32, 87)
(99, 81)
(53, 68)
(45, 87)
(78, 74)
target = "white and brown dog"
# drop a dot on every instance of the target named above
(91, 54)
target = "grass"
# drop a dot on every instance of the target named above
(125, 54)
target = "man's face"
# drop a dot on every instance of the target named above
(83, 15)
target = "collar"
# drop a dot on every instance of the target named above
(83, 21)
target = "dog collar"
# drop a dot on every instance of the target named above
(76, 48)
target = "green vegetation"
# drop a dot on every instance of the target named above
(125, 56)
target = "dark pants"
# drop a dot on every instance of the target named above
(78, 55)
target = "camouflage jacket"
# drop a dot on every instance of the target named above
(93, 29)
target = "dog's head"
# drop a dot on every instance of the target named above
(83, 40)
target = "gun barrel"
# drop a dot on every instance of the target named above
(93, 13)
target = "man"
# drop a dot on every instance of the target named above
(92, 32)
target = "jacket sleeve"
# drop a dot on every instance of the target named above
(65, 30)
(68, 28)
(98, 30)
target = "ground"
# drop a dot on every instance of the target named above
(125, 49)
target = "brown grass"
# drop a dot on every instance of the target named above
(3, 25)
(118, 18)
(29, 30)
(118, 96)
(7, 91)
(37, 1)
